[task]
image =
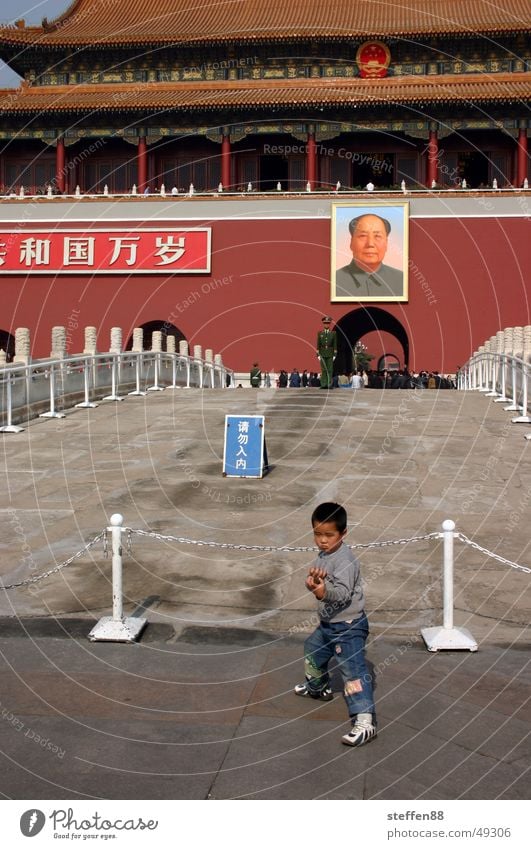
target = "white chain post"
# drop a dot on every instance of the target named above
(448, 637)
(116, 628)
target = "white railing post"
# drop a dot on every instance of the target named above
(86, 378)
(138, 363)
(524, 418)
(114, 383)
(514, 406)
(156, 387)
(448, 637)
(10, 427)
(494, 372)
(116, 628)
(174, 371)
(503, 399)
(51, 414)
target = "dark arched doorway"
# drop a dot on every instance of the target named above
(167, 329)
(7, 344)
(360, 322)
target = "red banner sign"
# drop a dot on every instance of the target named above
(143, 251)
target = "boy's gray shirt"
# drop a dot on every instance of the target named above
(344, 598)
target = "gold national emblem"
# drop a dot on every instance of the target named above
(373, 59)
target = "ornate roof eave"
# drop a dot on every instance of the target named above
(216, 96)
(41, 43)
(114, 23)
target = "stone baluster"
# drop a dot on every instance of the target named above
(116, 340)
(91, 336)
(508, 341)
(3, 358)
(58, 351)
(22, 346)
(156, 340)
(518, 341)
(198, 352)
(527, 344)
(183, 347)
(209, 355)
(170, 344)
(138, 340)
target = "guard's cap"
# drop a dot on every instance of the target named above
(326, 319)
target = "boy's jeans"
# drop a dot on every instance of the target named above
(347, 643)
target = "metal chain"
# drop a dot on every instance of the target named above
(242, 547)
(468, 541)
(235, 547)
(56, 568)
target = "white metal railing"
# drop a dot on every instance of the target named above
(57, 384)
(502, 377)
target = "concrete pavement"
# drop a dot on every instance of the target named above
(202, 706)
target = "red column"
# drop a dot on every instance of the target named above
(311, 161)
(225, 161)
(521, 157)
(433, 157)
(60, 169)
(142, 164)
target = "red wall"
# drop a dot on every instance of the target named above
(269, 288)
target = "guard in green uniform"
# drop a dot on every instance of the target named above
(326, 351)
(255, 376)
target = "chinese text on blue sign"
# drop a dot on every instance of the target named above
(244, 454)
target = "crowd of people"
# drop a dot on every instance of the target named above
(362, 379)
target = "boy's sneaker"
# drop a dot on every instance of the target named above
(361, 732)
(325, 695)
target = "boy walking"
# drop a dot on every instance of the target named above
(343, 629)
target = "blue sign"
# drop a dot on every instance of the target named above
(244, 452)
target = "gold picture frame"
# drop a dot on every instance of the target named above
(369, 252)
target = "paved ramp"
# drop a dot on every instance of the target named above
(224, 643)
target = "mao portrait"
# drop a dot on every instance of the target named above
(369, 252)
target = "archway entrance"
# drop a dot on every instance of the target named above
(380, 331)
(167, 330)
(7, 344)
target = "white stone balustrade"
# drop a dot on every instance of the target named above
(91, 336)
(138, 340)
(116, 340)
(518, 342)
(58, 351)
(22, 345)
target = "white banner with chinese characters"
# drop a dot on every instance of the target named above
(108, 251)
